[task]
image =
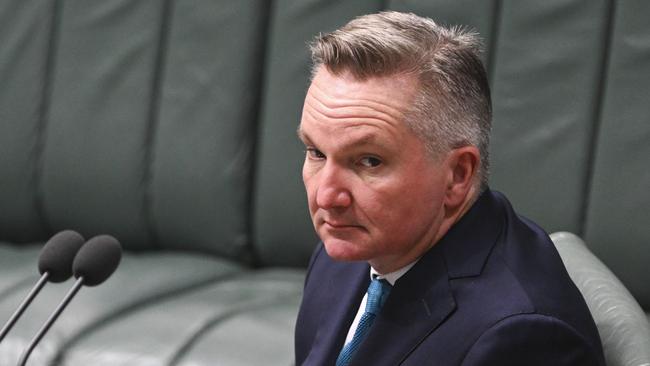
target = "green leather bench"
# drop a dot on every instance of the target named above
(171, 126)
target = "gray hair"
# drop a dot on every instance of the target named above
(452, 107)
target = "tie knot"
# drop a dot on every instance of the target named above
(377, 293)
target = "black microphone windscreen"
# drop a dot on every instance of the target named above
(57, 255)
(97, 260)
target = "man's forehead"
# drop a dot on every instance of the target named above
(342, 112)
(334, 102)
(345, 83)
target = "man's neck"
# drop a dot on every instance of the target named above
(393, 276)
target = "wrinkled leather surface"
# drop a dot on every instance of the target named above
(24, 39)
(204, 136)
(623, 326)
(139, 281)
(617, 228)
(545, 98)
(17, 267)
(246, 319)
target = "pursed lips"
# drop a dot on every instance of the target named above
(341, 225)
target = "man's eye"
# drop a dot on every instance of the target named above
(370, 162)
(315, 154)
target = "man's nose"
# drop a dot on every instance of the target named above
(332, 191)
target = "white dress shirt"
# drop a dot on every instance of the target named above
(391, 278)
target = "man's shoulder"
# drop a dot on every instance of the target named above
(528, 258)
(522, 282)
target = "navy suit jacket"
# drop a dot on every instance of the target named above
(493, 291)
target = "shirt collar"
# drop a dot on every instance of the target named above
(391, 277)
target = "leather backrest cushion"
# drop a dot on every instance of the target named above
(24, 39)
(545, 88)
(617, 227)
(148, 122)
(204, 139)
(98, 125)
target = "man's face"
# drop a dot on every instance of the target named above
(374, 192)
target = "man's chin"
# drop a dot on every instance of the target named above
(341, 250)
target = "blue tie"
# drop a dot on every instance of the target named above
(377, 293)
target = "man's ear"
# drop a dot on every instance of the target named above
(463, 166)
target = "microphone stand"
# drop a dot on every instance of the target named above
(59, 309)
(23, 305)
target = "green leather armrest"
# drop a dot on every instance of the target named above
(623, 326)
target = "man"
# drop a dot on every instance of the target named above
(420, 262)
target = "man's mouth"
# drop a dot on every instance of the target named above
(340, 225)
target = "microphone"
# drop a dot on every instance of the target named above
(54, 265)
(94, 263)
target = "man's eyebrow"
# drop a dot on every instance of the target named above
(366, 139)
(302, 135)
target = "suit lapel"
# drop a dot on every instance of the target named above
(420, 301)
(345, 288)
